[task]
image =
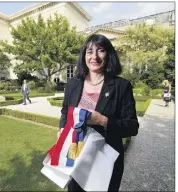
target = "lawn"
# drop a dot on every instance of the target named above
(22, 150)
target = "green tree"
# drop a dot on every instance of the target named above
(169, 64)
(153, 76)
(4, 61)
(44, 47)
(143, 47)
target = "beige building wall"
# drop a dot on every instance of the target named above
(74, 18)
(4, 35)
(4, 29)
(65, 9)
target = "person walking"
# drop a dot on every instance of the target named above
(25, 91)
(167, 92)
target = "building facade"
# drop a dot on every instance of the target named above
(75, 14)
(78, 17)
(166, 19)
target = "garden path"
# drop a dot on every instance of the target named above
(150, 157)
(39, 105)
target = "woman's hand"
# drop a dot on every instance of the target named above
(97, 119)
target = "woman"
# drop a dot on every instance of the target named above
(167, 92)
(98, 88)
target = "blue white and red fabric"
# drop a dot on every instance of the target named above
(73, 131)
(92, 169)
(76, 118)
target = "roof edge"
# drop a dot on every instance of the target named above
(81, 10)
(4, 17)
(34, 8)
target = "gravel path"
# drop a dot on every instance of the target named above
(150, 157)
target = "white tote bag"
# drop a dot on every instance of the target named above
(94, 166)
(167, 94)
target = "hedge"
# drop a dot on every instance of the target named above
(141, 111)
(19, 95)
(11, 102)
(145, 98)
(56, 101)
(15, 99)
(155, 92)
(138, 91)
(52, 121)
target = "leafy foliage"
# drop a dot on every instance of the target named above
(146, 50)
(4, 61)
(169, 64)
(44, 47)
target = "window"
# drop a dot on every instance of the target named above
(3, 78)
(70, 71)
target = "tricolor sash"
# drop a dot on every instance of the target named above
(76, 121)
(80, 153)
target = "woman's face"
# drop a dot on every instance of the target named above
(94, 58)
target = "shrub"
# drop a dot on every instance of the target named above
(147, 90)
(8, 92)
(32, 84)
(49, 88)
(5, 85)
(57, 98)
(140, 84)
(138, 91)
(60, 86)
(141, 107)
(56, 101)
(155, 92)
(173, 91)
(40, 89)
(11, 102)
(144, 90)
(52, 121)
(9, 98)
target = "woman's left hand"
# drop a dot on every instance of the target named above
(97, 118)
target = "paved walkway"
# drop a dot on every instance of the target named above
(150, 157)
(39, 105)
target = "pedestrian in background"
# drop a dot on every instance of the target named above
(25, 91)
(167, 92)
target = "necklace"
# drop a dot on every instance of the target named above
(95, 83)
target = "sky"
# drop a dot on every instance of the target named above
(104, 12)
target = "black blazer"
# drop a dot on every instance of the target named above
(116, 102)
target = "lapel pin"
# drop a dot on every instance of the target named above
(107, 94)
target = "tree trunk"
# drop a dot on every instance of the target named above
(48, 81)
